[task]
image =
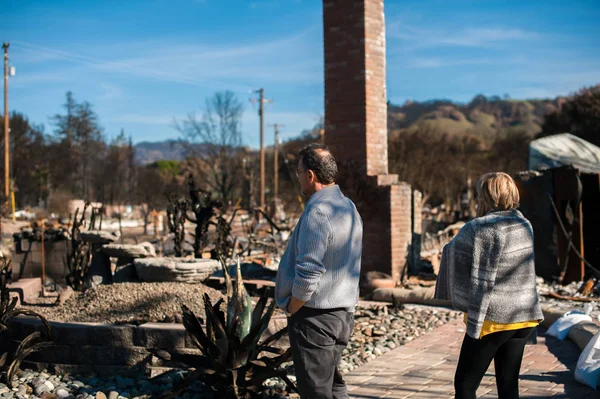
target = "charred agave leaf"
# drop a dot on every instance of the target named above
(239, 306)
(231, 346)
(36, 341)
(230, 297)
(245, 306)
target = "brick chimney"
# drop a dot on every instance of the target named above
(356, 130)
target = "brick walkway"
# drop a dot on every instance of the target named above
(424, 368)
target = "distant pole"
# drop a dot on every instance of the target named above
(43, 257)
(276, 127)
(261, 114)
(275, 165)
(6, 127)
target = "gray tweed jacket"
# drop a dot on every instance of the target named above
(488, 271)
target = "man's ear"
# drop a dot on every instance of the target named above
(312, 177)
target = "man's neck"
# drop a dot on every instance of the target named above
(318, 188)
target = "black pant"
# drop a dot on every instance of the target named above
(317, 338)
(506, 348)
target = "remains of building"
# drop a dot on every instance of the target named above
(205, 238)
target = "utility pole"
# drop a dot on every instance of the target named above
(261, 113)
(6, 127)
(276, 162)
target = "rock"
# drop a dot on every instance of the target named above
(50, 385)
(62, 393)
(37, 381)
(125, 274)
(48, 395)
(129, 251)
(113, 395)
(4, 389)
(175, 269)
(99, 237)
(100, 395)
(40, 389)
(149, 247)
(99, 270)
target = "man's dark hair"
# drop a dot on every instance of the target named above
(319, 159)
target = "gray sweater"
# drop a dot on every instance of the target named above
(321, 264)
(488, 271)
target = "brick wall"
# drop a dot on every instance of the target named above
(401, 228)
(356, 130)
(417, 231)
(355, 97)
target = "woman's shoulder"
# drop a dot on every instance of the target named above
(500, 220)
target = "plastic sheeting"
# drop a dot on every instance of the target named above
(564, 149)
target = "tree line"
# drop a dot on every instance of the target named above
(444, 166)
(75, 160)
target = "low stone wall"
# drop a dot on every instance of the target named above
(104, 349)
(175, 269)
(54, 260)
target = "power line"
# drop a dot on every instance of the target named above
(119, 66)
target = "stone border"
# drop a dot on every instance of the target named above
(103, 349)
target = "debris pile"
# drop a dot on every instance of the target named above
(571, 296)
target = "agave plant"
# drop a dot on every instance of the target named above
(10, 362)
(234, 361)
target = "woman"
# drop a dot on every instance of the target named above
(488, 272)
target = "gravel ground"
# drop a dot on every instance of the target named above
(134, 303)
(377, 330)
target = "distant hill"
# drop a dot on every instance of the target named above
(483, 116)
(147, 152)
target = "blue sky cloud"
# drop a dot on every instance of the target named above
(144, 63)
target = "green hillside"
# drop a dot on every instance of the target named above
(482, 117)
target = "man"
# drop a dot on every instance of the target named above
(317, 280)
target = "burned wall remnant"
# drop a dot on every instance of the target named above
(562, 205)
(356, 130)
(535, 189)
(591, 216)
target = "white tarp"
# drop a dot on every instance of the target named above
(564, 149)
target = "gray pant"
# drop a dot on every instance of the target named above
(317, 338)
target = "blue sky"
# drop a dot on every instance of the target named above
(142, 64)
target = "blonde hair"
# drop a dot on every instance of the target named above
(498, 191)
